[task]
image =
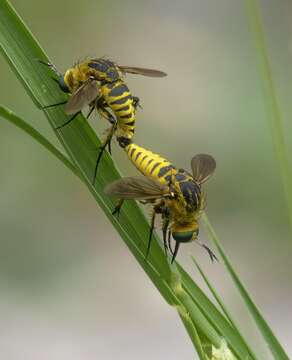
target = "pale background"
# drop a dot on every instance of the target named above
(70, 289)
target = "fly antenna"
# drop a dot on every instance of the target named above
(50, 65)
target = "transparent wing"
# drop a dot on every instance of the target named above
(142, 71)
(203, 166)
(82, 97)
(140, 188)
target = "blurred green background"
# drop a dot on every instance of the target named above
(70, 289)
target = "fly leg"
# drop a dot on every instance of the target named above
(105, 143)
(55, 70)
(91, 108)
(103, 112)
(101, 105)
(73, 117)
(159, 208)
(175, 251)
(169, 242)
(117, 208)
(68, 122)
(209, 251)
(53, 105)
(150, 232)
(162, 209)
(165, 223)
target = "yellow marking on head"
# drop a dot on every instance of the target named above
(185, 227)
(69, 80)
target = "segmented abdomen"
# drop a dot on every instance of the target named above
(118, 97)
(151, 164)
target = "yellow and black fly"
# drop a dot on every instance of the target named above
(99, 83)
(174, 193)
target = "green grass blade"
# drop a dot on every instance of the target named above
(214, 293)
(272, 342)
(270, 97)
(9, 115)
(193, 333)
(188, 308)
(222, 306)
(37, 136)
(79, 140)
(215, 317)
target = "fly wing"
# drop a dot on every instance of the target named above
(139, 188)
(203, 166)
(142, 71)
(82, 97)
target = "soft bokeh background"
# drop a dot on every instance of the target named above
(70, 289)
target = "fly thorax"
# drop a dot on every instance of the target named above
(176, 206)
(105, 70)
(112, 75)
(190, 192)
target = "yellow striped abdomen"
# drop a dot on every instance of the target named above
(118, 97)
(150, 164)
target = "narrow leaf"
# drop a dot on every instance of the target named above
(79, 140)
(193, 333)
(37, 136)
(218, 321)
(270, 96)
(272, 342)
(222, 306)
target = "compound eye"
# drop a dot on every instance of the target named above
(183, 236)
(63, 85)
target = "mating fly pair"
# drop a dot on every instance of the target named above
(174, 193)
(99, 84)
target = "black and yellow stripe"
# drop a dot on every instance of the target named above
(151, 164)
(113, 89)
(156, 167)
(118, 97)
